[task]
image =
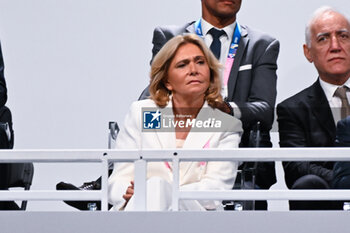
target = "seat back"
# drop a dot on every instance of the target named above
(246, 175)
(12, 174)
(113, 133)
(20, 175)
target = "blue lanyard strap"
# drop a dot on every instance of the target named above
(235, 40)
(198, 27)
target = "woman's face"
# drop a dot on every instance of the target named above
(189, 73)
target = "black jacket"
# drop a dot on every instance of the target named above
(306, 120)
(3, 89)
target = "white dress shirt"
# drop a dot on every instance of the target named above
(334, 101)
(225, 46)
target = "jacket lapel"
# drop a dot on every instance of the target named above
(193, 139)
(238, 58)
(190, 28)
(196, 140)
(240, 51)
(167, 139)
(321, 109)
(199, 139)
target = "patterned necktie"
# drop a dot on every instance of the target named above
(215, 46)
(345, 107)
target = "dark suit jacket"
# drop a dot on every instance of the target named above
(253, 90)
(341, 170)
(3, 89)
(5, 116)
(306, 120)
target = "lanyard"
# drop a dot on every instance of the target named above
(232, 51)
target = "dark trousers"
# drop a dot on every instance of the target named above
(247, 204)
(341, 175)
(313, 182)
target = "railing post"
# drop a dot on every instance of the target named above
(176, 180)
(140, 184)
(104, 182)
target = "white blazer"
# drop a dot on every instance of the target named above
(193, 175)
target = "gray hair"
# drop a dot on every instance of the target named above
(317, 14)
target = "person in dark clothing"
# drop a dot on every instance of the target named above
(6, 137)
(308, 118)
(341, 170)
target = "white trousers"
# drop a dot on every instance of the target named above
(159, 198)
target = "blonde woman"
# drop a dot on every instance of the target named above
(185, 84)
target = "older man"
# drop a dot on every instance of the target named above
(249, 78)
(308, 119)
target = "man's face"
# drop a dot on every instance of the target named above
(222, 8)
(330, 47)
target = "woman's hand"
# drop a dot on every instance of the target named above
(129, 192)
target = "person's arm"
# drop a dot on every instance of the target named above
(292, 134)
(3, 89)
(129, 137)
(159, 39)
(262, 95)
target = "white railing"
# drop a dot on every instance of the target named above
(141, 157)
(54, 156)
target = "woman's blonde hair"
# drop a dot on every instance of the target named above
(161, 63)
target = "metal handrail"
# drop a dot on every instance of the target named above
(239, 154)
(52, 156)
(141, 157)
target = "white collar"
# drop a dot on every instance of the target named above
(228, 29)
(329, 89)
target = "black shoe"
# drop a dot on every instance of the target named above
(81, 205)
(8, 205)
(93, 185)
